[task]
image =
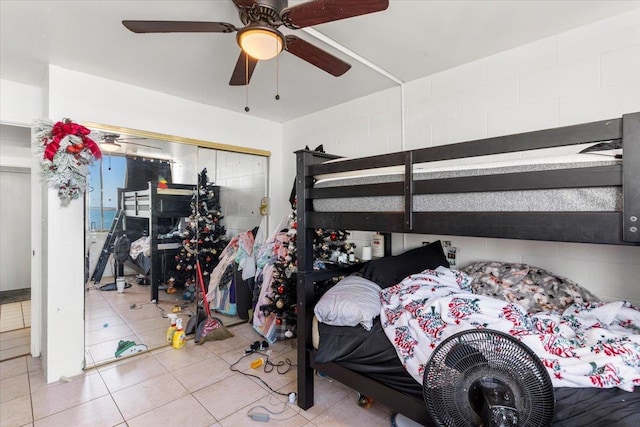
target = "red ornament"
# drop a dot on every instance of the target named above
(75, 148)
(294, 225)
(278, 321)
(281, 289)
(333, 237)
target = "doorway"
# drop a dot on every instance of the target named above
(15, 246)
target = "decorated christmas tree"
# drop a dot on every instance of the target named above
(204, 237)
(330, 248)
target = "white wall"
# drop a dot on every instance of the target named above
(20, 104)
(590, 73)
(15, 157)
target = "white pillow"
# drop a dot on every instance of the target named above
(353, 300)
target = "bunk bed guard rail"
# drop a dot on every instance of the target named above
(588, 227)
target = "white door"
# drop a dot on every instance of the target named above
(15, 228)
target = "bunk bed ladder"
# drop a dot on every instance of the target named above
(106, 248)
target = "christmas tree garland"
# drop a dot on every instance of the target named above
(66, 152)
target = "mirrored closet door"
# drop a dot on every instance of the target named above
(144, 225)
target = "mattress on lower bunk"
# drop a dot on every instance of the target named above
(370, 353)
(565, 199)
(365, 352)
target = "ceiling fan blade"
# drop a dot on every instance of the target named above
(240, 77)
(140, 145)
(320, 11)
(179, 27)
(316, 56)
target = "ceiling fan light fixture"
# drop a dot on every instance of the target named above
(261, 42)
(110, 146)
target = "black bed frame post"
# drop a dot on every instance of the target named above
(123, 226)
(408, 191)
(631, 177)
(153, 232)
(304, 241)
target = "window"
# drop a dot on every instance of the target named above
(105, 177)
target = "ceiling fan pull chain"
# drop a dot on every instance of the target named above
(246, 81)
(277, 78)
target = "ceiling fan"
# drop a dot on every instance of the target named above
(260, 39)
(111, 142)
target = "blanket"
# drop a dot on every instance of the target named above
(587, 345)
(140, 246)
(533, 288)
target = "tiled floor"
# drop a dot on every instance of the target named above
(192, 386)
(130, 316)
(15, 329)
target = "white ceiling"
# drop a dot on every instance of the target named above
(411, 39)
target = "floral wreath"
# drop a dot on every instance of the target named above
(66, 153)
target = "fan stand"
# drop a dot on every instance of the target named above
(119, 272)
(399, 420)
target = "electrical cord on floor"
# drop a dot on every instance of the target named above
(266, 416)
(291, 396)
(139, 305)
(269, 366)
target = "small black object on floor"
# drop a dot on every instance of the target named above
(15, 295)
(113, 286)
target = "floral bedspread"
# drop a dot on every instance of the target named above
(587, 345)
(533, 288)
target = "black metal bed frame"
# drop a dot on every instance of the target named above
(618, 228)
(151, 205)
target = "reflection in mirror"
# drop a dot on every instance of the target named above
(140, 204)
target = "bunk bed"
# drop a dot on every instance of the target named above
(341, 207)
(155, 212)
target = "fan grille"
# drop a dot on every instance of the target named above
(467, 356)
